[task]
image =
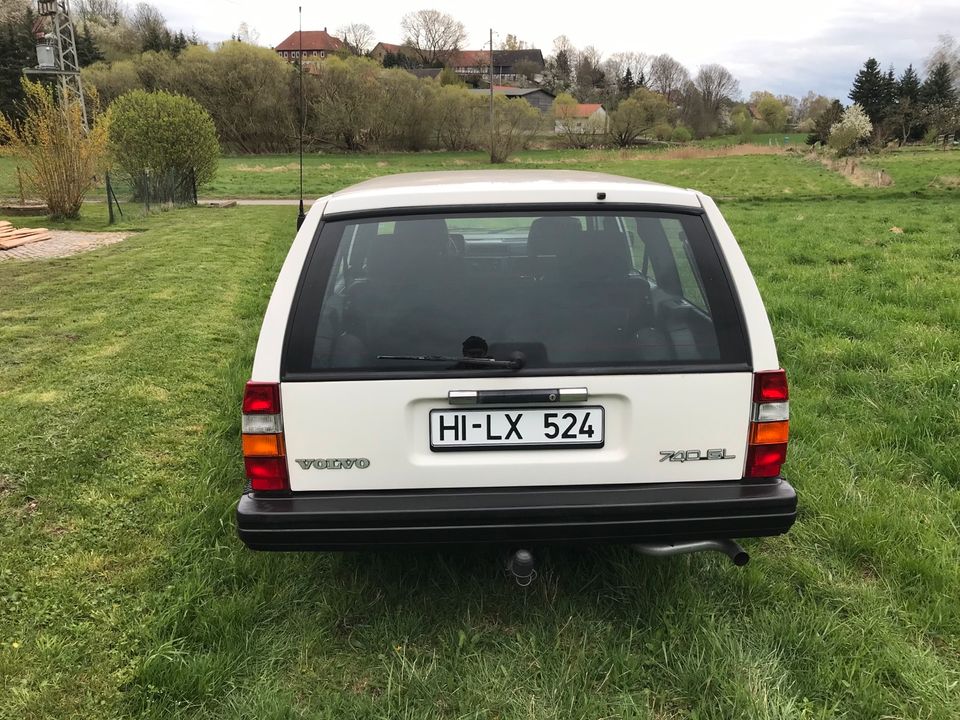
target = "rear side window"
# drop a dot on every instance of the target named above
(570, 291)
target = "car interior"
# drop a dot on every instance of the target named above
(564, 290)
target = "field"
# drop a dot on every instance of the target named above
(125, 593)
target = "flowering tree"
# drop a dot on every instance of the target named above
(854, 126)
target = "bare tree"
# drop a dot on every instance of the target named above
(618, 64)
(247, 34)
(357, 36)
(13, 9)
(947, 51)
(434, 36)
(102, 12)
(718, 87)
(667, 77)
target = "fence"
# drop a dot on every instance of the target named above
(146, 191)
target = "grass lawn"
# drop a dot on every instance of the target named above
(124, 591)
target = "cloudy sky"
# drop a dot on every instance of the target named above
(787, 48)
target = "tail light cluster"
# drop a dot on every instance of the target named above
(770, 425)
(264, 453)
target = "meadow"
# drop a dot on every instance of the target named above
(125, 593)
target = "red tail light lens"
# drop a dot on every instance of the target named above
(770, 386)
(764, 461)
(267, 474)
(261, 398)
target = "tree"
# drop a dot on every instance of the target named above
(433, 35)
(63, 157)
(809, 108)
(871, 90)
(590, 76)
(947, 51)
(941, 109)
(742, 123)
(461, 118)
(161, 141)
(906, 113)
(17, 51)
(667, 77)
(626, 84)
(511, 42)
(773, 112)
(87, 50)
(245, 34)
(636, 116)
(706, 98)
(515, 123)
(853, 128)
(824, 122)
(358, 37)
(527, 69)
(151, 28)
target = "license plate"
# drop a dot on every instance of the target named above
(505, 429)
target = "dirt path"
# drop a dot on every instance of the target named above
(62, 244)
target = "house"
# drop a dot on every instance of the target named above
(541, 99)
(317, 44)
(507, 64)
(582, 118)
(382, 49)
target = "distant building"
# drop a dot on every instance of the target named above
(581, 118)
(382, 49)
(538, 97)
(507, 64)
(317, 44)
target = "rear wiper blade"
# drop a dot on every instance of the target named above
(517, 361)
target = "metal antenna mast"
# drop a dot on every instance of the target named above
(57, 53)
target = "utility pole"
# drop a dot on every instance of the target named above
(57, 54)
(493, 131)
(301, 216)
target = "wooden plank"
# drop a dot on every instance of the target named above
(17, 242)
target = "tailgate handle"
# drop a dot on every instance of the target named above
(517, 397)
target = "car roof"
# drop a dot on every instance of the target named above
(462, 189)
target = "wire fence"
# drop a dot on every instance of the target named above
(142, 192)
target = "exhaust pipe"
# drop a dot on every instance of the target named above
(730, 548)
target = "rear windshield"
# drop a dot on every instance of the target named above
(567, 290)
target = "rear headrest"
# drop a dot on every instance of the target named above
(596, 255)
(549, 234)
(416, 249)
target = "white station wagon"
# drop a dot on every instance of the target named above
(515, 357)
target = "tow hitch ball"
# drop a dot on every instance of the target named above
(522, 567)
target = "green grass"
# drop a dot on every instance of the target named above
(125, 593)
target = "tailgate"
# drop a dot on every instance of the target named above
(356, 435)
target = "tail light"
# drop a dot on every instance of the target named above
(264, 452)
(770, 425)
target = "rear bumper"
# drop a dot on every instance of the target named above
(608, 513)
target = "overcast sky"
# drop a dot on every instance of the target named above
(786, 48)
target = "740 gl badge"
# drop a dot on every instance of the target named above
(690, 455)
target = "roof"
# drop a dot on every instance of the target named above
(513, 57)
(312, 40)
(582, 110)
(470, 58)
(470, 188)
(511, 91)
(389, 47)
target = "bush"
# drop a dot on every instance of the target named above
(515, 124)
(64, 158)
(681, 135)
(663, 131)
(854, 127)
(162, 142)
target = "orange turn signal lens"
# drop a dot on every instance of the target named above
(270, 445)
(770, 433)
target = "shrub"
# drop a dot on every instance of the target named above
(515, 124)
(64, 158)
(854, 126)
(681, 134)
(663, 131)
(162, 141)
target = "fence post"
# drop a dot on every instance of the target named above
(193, 184)
(112, 219)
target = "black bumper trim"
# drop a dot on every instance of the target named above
(583, 513)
